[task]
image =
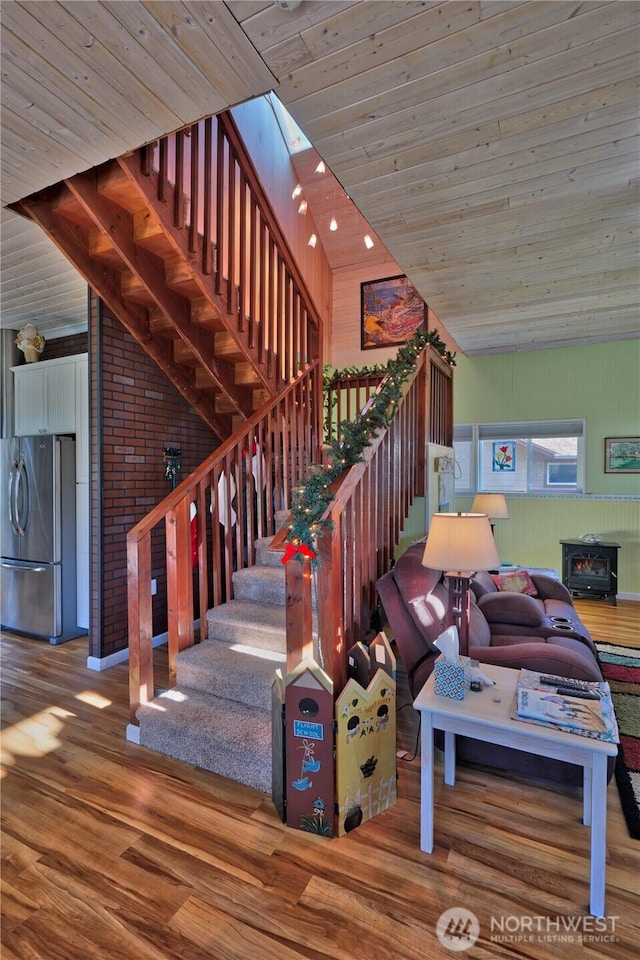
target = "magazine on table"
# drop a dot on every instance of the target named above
(573, 706)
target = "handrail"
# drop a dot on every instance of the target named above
(370, 502)
(211, 522)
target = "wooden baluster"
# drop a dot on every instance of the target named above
(209, 172)
(179, 194)
(221, 247)
(195, 187)
(179, 581)
(140, 624)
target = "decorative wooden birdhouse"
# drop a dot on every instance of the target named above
(309, 741)
(366, 742)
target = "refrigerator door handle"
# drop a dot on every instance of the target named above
(13, 496)
(11, 566)
(21, 485)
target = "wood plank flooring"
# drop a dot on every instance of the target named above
(110, 851)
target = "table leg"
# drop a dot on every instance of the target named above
(587, 780)
(598, 834)
(426, 783)
(449, 758)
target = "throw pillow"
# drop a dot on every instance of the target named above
(519, 582)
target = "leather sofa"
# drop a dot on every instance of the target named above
(548, 613)
(415, 602)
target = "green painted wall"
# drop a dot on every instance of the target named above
(600, 383)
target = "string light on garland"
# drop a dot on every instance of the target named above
(312, 497)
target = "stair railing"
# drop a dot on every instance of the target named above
(192, 541)
(371, 501)
(344, 398)
(206, 179)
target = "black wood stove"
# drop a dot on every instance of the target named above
(590, 569)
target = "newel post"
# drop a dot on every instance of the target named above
(299, 610)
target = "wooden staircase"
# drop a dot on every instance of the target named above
(179, 240)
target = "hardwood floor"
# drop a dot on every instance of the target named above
(110, 851)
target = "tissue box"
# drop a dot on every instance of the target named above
(452, 678)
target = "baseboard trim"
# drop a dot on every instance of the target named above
(120, 656)
(133, 733)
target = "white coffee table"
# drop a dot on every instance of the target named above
(480, 717)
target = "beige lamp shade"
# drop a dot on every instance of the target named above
(493, 504)
(460, 543)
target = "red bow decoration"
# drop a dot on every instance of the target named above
(301, 548)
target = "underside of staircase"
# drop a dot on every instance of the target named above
(218, 716)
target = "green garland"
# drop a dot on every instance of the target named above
(312, 497)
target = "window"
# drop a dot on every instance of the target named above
(529, 457)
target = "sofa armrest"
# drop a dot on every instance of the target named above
(550, 589)
(514, 608)
(541, 657)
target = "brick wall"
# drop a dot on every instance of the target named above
(66, 346)
(135, 414)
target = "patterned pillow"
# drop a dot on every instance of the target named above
(519, 582)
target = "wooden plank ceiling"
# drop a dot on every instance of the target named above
(492, 146)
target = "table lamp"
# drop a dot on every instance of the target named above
(493, 504)
(460, 544)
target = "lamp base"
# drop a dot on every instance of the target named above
(459, 606)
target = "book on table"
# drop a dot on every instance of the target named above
(541, 699)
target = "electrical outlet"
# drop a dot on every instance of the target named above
(154, 587)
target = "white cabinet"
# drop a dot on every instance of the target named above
(45, 396)
(82, 420)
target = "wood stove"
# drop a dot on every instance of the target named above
(590, 569)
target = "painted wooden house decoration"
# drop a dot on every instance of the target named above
(278, 766)
(366, 742)
(309, 742)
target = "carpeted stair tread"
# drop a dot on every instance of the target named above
(267, 557)
(226, 738)
(231, 671)
(260, 625)
(261, 583)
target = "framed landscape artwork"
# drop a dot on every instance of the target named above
(392, 311)
(622, 455)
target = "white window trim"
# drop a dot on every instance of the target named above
(524, 430)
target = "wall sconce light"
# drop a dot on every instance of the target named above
(334, 224)
(173, 464)
(368, 242)
(297, 190)
(311, 242)
(303, 207)
(321, 167)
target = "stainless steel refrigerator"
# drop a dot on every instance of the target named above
(38, 537)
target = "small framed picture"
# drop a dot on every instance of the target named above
(504, 456)
(622, 455)
(391, 312)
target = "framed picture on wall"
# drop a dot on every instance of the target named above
(622, 455)
(391, 312)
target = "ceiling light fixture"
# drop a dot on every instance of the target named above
(303, 207)
(297, 190)
(311, 242)
(334, 224)
(368, 242)
(321, 167)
